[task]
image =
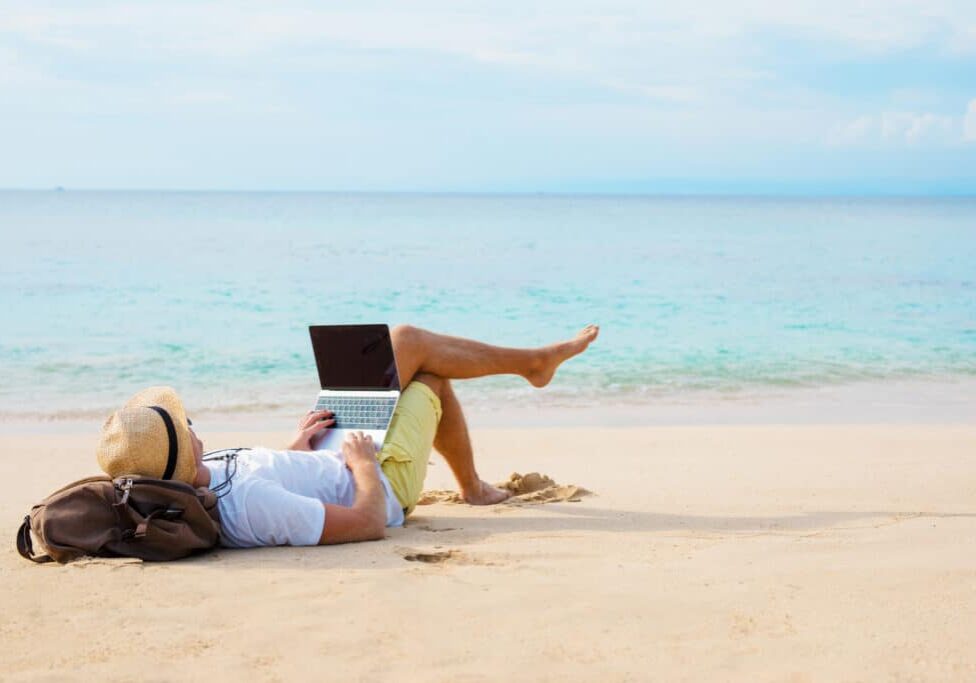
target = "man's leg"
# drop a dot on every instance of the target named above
(453, 442)
(418, 350)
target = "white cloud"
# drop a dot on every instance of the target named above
(969, 122)
(855, 132)
(605, 35)
(201, 97)
(707, 72)
(963, 41)
(681, 94)
(899, 128)
(916, 128)
(14, 70)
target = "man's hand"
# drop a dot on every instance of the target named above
(359, 450)
(365, 520)
(309, 426)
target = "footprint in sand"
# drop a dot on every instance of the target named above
(434, 530)
(531, 488)
(452, 557)
(434, 557)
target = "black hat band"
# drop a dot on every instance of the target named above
(173, 444)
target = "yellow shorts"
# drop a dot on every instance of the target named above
(409, 439)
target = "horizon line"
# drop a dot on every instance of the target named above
(770, 193)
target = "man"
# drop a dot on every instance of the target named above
(303, 497)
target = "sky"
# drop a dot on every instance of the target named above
(709, 96)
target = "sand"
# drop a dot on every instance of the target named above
(750, 553)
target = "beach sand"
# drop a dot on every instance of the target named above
(725, 553)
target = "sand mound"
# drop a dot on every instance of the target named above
(538, 488)
(439, 496)
(531, 488)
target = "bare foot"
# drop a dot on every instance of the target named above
(486, 494)
(552, 356)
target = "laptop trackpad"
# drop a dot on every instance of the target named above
(333, 438)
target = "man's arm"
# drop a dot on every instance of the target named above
(366, 519)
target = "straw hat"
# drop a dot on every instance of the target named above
(148, 437)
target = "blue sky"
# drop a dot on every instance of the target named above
(758, 96)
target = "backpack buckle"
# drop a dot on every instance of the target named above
(124, 487)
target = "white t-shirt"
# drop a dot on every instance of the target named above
(276, 497)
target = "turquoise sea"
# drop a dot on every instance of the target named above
(102, 293)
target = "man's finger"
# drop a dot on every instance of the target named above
(311, 416)
(320, 424)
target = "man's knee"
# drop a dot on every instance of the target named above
(435, 382)
(404, 335)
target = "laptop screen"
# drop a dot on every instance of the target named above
(354, 357)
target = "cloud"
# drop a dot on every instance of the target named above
(727, 77)
(855, 132)
(201, 97)
(556, 34)
(674, 53)
(904, 128)
(16, 71)
(917, 128)
(969, 122)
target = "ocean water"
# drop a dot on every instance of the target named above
(103, 293)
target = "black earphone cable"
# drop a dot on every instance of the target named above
(229, 456)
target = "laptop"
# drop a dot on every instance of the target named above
(359, 380)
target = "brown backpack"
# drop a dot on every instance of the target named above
(152, 519)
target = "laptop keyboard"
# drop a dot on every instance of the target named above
(359, 412)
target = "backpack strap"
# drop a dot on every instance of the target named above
(24, 545)
(167, 513)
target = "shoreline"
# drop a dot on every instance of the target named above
(945, 401)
